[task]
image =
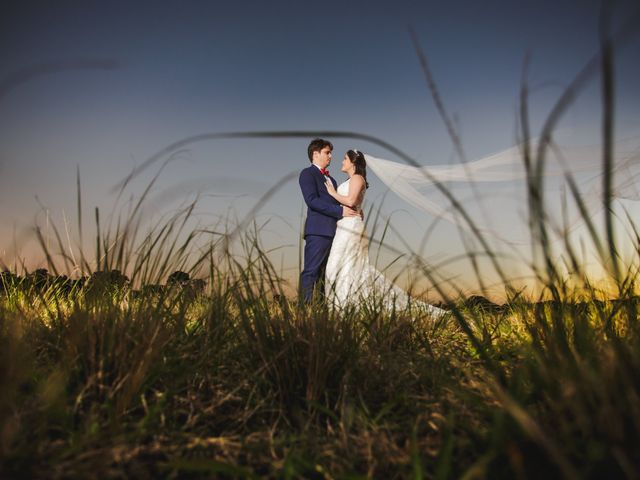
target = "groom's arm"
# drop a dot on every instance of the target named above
(313, 200)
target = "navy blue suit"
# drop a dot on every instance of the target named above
(323, 212)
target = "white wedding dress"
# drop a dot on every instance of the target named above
(351, 279)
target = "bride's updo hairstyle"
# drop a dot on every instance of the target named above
(357, 158)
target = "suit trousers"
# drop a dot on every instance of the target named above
(316, 254)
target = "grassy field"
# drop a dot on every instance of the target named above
(163, 376)
(236, 381)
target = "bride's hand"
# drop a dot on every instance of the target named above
(330, 188)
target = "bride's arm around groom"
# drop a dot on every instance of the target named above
(314, 198)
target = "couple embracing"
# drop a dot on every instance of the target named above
(336, 252)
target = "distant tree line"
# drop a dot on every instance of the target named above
(40, 280)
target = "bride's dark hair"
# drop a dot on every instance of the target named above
(357, 158)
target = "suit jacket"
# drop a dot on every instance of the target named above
(323, 211)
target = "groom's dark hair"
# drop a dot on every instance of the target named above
(316, 145)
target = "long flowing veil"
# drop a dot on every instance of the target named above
(477, 180)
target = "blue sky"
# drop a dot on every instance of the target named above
(185, 68)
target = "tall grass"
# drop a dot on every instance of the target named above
(239, 380)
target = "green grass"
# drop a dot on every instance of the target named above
(231, 383)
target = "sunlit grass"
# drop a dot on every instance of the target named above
(239, 380)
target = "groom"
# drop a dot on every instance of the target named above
(323, 212)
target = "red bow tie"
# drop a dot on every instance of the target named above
(324, 171)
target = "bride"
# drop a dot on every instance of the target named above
(350, 278)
